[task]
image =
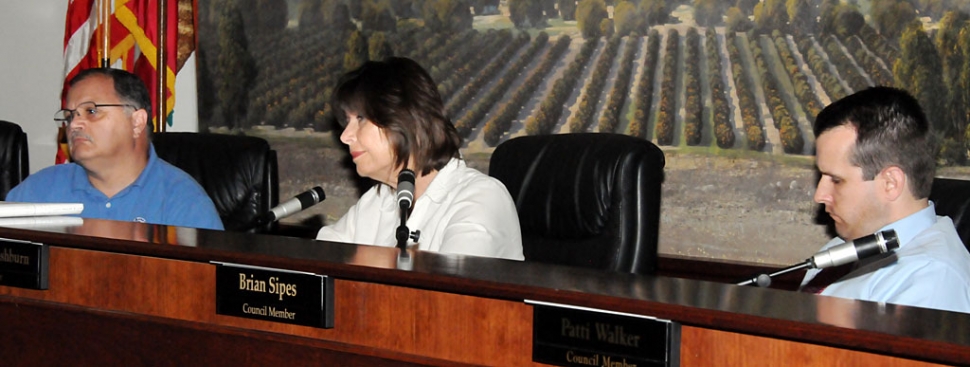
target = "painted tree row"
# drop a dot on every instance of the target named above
(721, 111)
(668, 100)
(500, 122)
(692, 97)
(640, 126)
(610, 117)
(693, 108)
(500, 86)
(583, 118)
(552, 106)
(491, 70)
(791, 138)
(753, 129)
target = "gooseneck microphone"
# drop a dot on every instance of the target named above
(405, 198)
(405, 189)
(295, 205)
(852, 251)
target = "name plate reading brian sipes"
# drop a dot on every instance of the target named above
(277, 295)
(24, 264)
(575, 336)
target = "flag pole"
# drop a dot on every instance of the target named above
(104, 13)
(160, 66)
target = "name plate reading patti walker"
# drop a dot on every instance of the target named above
(576, 336)
(274, 295)
(24, 264)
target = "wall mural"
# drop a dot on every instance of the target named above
(728, 90)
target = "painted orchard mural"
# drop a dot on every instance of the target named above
(728, 89)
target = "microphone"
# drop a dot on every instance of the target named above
(863, 247)
(405, 189)
(295, 205)
(405, 197)
(852, 251)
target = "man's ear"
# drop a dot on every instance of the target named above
(894, 182)
(139, 121)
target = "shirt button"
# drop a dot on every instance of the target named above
(107, 205)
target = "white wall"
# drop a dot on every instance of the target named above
(31, 68)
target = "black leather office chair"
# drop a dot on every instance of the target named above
(952, 199)
(238, 172)
(14, 157)
(589, 200)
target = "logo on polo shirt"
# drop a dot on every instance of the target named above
(139, 220)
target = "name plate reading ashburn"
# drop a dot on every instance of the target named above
(566, 335)
(24, 264)
(274, 295)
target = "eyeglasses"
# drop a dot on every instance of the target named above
(89, 110)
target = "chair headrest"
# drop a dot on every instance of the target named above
(13, 156)
(231, 168)
(952, 199)
(588, 174)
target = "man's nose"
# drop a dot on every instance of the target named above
(821, 192)
(77, 121)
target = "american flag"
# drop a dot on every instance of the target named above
(131, 44)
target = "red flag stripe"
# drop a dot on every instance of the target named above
(79, 33)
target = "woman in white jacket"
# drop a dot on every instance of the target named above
(394, 119)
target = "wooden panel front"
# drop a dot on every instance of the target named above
(39, 333)
(406, 320)
(387, 320)
(706, 347)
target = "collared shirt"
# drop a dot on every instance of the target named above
(931, 267)
(162, 194)
(463, 211)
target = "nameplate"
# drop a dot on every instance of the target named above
(274, 295)
(565, 335)
(24, 264)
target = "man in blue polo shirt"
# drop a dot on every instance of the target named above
(116, 174)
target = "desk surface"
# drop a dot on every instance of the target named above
(906, 332)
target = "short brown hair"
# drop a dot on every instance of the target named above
(399, 96)
(891, 130)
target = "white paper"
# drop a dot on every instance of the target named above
(13, 209)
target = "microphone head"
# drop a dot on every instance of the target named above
(318, 194)
(405, 188)
(887, 240)
(405, 176)
(302, 201)
(310, 198)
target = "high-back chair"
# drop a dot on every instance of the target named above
(952, 199)
(238, 172)
(589, 200)
(14, 157)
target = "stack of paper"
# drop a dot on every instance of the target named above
(12, 209)
(14, 214)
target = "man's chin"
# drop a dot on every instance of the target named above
(849, 236)
(79, 155)
(843, 232)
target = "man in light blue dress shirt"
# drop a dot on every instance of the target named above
(876, 156)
